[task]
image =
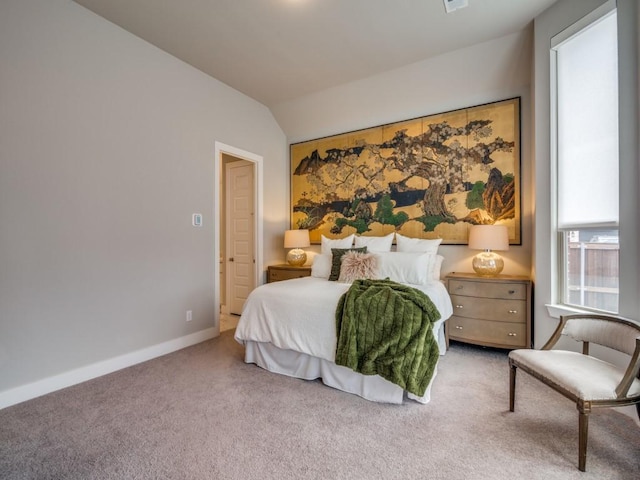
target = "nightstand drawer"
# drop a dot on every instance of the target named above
(515, 291)
(277, 273)
(490, 309)
(485, 332)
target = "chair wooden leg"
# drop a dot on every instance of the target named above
(512, 387)
(583, 425)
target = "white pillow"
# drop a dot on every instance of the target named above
(408, 244)
(321, 267)
(434, 266)
(375, 244)
(329, 243)
(404, 267)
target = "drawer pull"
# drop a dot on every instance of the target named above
(458, 327)
(459, 287)
(459, 306)
(513, 334)
(513, 311)
(511, 292)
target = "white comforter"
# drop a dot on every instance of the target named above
(299, 314)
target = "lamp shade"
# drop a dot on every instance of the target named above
(489, 237)
(296, 239)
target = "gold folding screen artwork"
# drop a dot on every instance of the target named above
(430, 177)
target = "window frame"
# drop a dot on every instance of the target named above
(563, 273)
(559, 248)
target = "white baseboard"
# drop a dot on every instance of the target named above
(82, 374)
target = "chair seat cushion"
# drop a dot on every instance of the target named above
(586, 377)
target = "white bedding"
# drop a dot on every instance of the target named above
(299, 315)
(288, 327)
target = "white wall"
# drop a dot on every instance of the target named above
(106, 149)
(486, 72)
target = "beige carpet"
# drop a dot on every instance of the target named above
(202, 413)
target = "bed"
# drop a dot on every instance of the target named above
(289, 327)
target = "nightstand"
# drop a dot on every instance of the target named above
(490, 311)
(276, 273)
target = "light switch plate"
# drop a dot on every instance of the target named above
(451, 5)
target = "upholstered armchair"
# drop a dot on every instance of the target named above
(586, 380)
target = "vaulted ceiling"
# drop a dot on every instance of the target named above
(278, 50)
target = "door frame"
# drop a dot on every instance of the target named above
(257, 161)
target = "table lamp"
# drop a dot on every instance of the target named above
(488, 238)
(296, 239)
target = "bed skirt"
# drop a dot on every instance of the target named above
(300, 365)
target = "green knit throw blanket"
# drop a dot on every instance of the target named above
(385, 328)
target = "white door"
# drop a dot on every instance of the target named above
(240, 261)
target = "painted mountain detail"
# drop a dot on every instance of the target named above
(414, 177)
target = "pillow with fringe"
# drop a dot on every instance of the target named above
(358, 266)
(336, 260)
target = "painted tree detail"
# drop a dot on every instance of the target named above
(430, 177)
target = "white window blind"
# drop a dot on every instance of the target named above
(587, 128)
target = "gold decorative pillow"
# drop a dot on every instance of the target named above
(358, 266)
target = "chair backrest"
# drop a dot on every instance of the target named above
(613, 332)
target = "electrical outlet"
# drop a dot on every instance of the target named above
(189, 315)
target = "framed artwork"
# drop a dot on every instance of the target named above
(429, 177)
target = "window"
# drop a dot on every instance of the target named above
(591, 269)
(585, 74)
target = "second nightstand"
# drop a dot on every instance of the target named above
(490, 311)
(275, 273)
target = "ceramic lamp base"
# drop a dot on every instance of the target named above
(296, 257)
(488, 264)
